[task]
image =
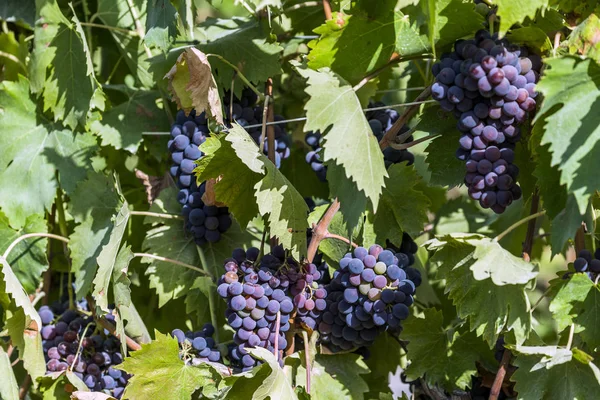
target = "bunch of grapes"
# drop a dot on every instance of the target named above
(72, 341)
(245, 112)
(370, 293)
(489, 85)
(198, 347)
(380, 122)
(587, 264)
(259, 305)
(204, 222)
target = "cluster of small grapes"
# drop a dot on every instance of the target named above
(258, 303)
(370, 293)
(380, 122)
(245, 112)
(587, 264)
(71, 341)
(489, 85)
(198, 347)
(205, 222)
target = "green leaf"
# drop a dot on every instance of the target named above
(61, 386)
(93, 204)
(161, 24)
(345, 36)
(491, 305)
(334, 108)
(157, 364)
(532, 37)
(275, 385)
(243, 44)
(583, 39)
(571, 96)
(122, 125)
(244, 173)
(578, 301)
(384, 360)
(16, 65)
(549, 372)
(340, 187)
(301, 175)
(515, 11)
(566, 223)
(110, 258)
(9, 388)
(444, 358)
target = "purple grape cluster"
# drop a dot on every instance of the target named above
(198, 347)
(380, 122)
(257, 295)
(370, 293)
(245, 112)
(72, 341)
(587, 264)
(489, 85)
(206, 223)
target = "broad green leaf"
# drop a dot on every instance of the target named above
(549, 372)
(93, 204)
(345, 36)
(120, 280)
(110, 258)
(245, 173)
(334, 108)
(61, 386)
(244, 44)
(21, 11)
(566, 223)
(161, 24)
(385, 357)
(275, 385)
(9, 388)
(491, 305)
(340, 187)
(18, 51)
(123, 124)
(159, 373)
(571, 96)
(447, 359)
(578, 301)
(197, 298)
(28, 258)
(515, 11)
(583, 39)
(301, 175)
(532, 37)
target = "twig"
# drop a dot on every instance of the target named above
(528, 242)
(170, 260)
(211, 296)
(404, 146)
(327, 9)
(62, 227)
(14, 59)
(320, 231)
(330, 235)
(138, 25)
(263, 132)
(580, 239)
(239, 73)
(499, 379)
(571, 333)
(156, 215)
(112, 28)
(307, 360)
(276, 344)
(132, 344)
(390, 135)
(24, 387)
(269, 118)
(31, 235)
(395, 59)
(301, 5)
(519, 223)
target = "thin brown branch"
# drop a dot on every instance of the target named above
(404, 146)
(519, 223)
(395, 59)
(131, 344)
(276, 344)
(390, 135)
(301, 5)
(499, 379)
(528, 242)
(307, 360)
(269, 118)
(320, 231)
(330, 235)
(25, 387)
(327, 9)
(580, 239)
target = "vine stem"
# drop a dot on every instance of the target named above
(239, 73)
(111, 28)
(32, 235)
(327, 9)
(340, 237)
(25, 387)
(390, 135)
(571, 333)
(301, 5)
(138, 25)
(62, 226)
(157, 215)
(211, 297)
(176, 262)
(320, 231)
(276, 344)
(132, 344)
(404, 146)
(497, 386)
(307, 360)
(519, 223)
(14, 59)
(394, 59)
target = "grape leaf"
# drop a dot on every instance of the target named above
(161, 24)
(341, 187)
(275, 385)
(444, 358)
(110, 258)
(301, 175)
(244, 44)
(9, 388)
(572, 130)
(123, 124)
(93, 204)
(197, 298)
(349, 142)
(515, 11)
(578, 301)
(193, 86)
(583, 39)
(28, 258)
(550, 372)
(157, 363)
(567, 222)
(245, 173)
(21, 11)
(491, 305)
(384, 360)
(18, 51)
(532, 37)
(345, 36)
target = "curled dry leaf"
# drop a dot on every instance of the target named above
(209, 195)
(193, 86)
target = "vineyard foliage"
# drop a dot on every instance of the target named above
(289, 199)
